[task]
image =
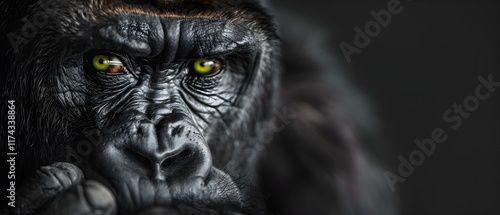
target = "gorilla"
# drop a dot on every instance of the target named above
(177, 107)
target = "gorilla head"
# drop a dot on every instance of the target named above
(162, 106)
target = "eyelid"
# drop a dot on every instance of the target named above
(115, 63)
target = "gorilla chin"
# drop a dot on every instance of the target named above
(217, 193)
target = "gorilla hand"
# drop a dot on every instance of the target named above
(60, 189)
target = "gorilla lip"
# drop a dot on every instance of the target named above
(217, 191)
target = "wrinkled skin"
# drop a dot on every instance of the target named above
(156, 137)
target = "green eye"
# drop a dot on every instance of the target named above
(109, 64)
(100, 62)
(206, 66)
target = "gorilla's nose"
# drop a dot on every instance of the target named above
(169, 151)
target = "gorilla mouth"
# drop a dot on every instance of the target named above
(135, 193)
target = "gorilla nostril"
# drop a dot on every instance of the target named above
(175, 162)
(186, 153)
(178, 159)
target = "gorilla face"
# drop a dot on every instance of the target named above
(168, 107)
(168, 92)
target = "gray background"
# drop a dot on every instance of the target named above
(424, 61)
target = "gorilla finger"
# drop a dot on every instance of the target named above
(47, 182)
(88, 198)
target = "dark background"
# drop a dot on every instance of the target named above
(424, 61)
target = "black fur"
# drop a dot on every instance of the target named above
(313, 164)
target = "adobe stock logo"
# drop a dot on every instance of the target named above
(362, 39)
(455, 116)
